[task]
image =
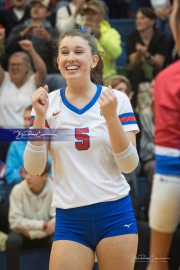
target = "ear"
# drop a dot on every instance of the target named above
(45, 176)
(95, 59)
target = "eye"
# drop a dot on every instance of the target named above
(64, 52)
(79, 51)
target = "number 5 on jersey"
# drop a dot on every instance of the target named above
(82, 136)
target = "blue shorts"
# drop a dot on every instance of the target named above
(88, 225)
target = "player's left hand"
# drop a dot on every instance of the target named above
(23, 231)
(108, 103)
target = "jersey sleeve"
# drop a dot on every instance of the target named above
(125, 113)
(32, 118)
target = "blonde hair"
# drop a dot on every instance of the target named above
(116, 79)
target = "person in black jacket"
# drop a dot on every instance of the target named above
(146, 50)
(15, 15)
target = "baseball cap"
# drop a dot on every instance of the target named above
(44, 3)
(96, 6)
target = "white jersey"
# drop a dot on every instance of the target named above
(84, 169)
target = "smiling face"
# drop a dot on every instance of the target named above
(75, 58)
(17, 69)
(143, 23)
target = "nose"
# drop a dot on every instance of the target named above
(71, 57)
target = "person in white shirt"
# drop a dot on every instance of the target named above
(96, 142)
(69, 16)
(31, 217)
(19, 83)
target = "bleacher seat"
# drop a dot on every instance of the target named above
(123, 26)
(32, 259)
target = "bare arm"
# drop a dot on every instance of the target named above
(36, 152)
(123, 143)
(136, 57)
(2, 37)
(156, 60)
(39, 65)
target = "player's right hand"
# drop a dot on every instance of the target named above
(40, 101)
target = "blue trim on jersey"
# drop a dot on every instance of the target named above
(87, 107)
(129, 123)
(167, 165)
(126, 114)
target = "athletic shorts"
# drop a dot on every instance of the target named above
(90, 224)
(164, 211)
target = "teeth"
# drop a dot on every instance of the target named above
(72, 67)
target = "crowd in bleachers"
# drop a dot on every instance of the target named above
(136, 42)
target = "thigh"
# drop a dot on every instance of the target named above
(70, 255)
(164, 211)
(117, 253)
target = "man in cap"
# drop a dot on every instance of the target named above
(40, 31)
(108, 39)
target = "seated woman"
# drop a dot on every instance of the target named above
(146, 49)
(19, 83)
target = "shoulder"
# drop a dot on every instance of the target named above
(158, 33)
(133, 35)
(18, 189)
(54, 94)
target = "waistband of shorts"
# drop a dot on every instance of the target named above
(95, 210)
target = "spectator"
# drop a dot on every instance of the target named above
(31, 217)
(146, 50)
(163, 9)
(108, 39)
(39, 30)
(165, 197)
(15, 15)
(14, 169)
(70, 16)
(121, 83)
(147, 137)
(19, 83)
(119, 9)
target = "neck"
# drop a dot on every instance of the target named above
(18, 84)
(80, 88)
(38, 21)
(21, 8)
(147, 34)
(38, 189)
